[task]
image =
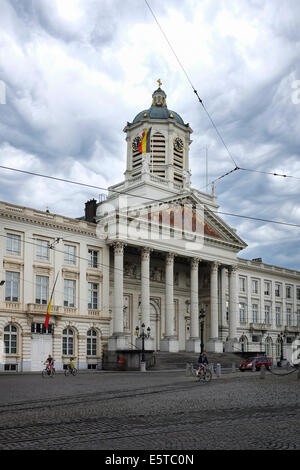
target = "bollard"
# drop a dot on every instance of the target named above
(188, 369)
(262, 374)
(218, 370)
(211, 368)
(253, 367)
(233, 367)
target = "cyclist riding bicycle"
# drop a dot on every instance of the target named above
(202, 361)
(71, 364)
(49, 362)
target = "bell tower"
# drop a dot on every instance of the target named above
(166, 164)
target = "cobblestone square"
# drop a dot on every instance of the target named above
(163, 410)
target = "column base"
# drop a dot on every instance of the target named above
(169, 344)
(214, 345)
(118, 342)
(193, 345)
(148, 344)
(232, 345)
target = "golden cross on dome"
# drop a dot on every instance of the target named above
(159, 83)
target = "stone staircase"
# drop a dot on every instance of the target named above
(165, 360)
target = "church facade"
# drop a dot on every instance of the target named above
(154, 253)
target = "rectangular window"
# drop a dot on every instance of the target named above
(93, 258)
(42, 290)
(67, 346)
(13, 244)
(255, 313)
(277, 290)
(243, 318)
(298, 317)
(91, 349)
(92, 296)
(69, 293)
(254, 286)
(267, 288)
(70, 254)
(298, 293)
(242, 284)
(42, 249)
(288, 292)
(278, 315)
(12, 284)
(289, 316)
(267, 314)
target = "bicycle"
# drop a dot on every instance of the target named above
(48, 372)
(69, 371)
(204, 375)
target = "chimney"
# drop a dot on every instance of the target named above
(90, 210)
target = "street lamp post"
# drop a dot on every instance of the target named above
(201, 318)
(281, 337)
(143, 335)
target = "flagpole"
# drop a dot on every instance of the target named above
(50, 302)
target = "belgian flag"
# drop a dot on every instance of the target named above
(144, 145)
(49, 305)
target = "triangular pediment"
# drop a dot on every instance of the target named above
(181, 223)
(187, 212)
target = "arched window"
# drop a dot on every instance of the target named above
(10, 339)
(278, 348)
(244, 343)
(91, 343)
(268, 346)
(68, 342)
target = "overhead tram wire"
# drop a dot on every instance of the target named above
(269, 173)
(206, 111)
(147, 198)
(190, 82)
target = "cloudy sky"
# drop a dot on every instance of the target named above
(75, 71)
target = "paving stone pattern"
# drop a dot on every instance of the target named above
(163, 410)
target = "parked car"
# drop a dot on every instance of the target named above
(257, 362)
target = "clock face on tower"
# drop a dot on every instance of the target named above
(135, 143)
(178, 144)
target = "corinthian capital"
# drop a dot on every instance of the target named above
(119, 248)
(195, 263)
(214, 267)
(170, 258)
(232, 270)
(145, 253)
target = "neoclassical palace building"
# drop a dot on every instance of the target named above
(154, 252)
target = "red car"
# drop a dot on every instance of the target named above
(257, 362)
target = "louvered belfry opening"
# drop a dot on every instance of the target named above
(136, 163)
(178, 165)
(158, 155)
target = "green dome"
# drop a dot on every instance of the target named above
(158, 113)
(158, 109)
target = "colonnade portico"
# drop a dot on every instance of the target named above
(170, 341)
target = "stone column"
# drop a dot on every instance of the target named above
(145, 286)
(118, 339)
(193, 344)
(232, 343)
(170, 342)
(214, 344)
(118, 288)
(223, 294)
(170, 295)
(145, 298)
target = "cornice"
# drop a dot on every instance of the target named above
(249, 265)
(52, 224)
